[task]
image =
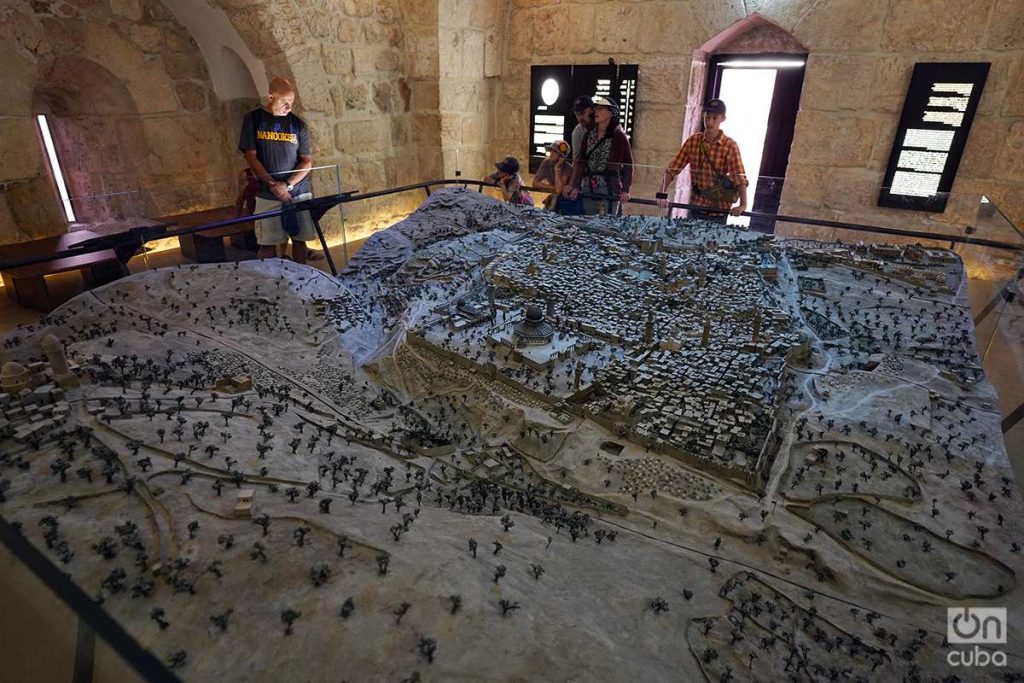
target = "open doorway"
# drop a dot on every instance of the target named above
(762, 94)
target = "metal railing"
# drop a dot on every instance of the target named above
(319, 206)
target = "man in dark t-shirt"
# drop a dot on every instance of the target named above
(276, 146)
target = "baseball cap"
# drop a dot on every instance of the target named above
(560, 146)
(582, 103)
(601, 101)
(508, 165)
(714, 106)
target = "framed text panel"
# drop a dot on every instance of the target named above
(936, 120)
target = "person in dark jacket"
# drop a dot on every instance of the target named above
(604, 167)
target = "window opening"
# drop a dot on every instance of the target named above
(55, 167)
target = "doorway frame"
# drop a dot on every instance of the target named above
(749, 36)
(780, 129)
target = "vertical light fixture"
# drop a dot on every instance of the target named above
(58, 172)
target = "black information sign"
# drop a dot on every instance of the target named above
(553, 89)
(937, 116)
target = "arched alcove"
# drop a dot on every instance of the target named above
(98, 135)
(752, 36)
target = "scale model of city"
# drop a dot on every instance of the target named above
(509, 445)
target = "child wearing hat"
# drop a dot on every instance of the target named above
(554, 172)
(510, 182)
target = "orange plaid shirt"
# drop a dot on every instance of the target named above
(722, 155)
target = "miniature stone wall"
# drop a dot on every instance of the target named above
(861, 56)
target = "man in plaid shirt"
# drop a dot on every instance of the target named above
(711, 156)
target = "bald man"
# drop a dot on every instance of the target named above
(276, 146)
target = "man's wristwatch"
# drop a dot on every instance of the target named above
(290, 187)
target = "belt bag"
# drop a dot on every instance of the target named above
(724, 190)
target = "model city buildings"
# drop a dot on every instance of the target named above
(681, 345)
(508, 444)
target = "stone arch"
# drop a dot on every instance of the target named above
(752, 35)
(131, 62)
(235, 71)
(234, 77)
(95, 125)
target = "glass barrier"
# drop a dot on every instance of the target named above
(187, 205)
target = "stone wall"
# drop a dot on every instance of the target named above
(862, 57)
(130, 106)
(470, 39)
(361, 68)
(862, 53)
(395, 89)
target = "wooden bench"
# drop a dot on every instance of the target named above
(207, 246)
(26, 285)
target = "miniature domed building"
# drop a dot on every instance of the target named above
(533, 330)
(14, 377)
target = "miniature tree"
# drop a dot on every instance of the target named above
(177, 659)
(258, 552)
(221, 620)
(427, 648)
(157, 615)
(659, 605)
(289, 616)
(400, 612)
(319, 574)
(507, 606)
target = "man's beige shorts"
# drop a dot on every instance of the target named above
(269, 231)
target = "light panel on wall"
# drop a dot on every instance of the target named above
(554, 88)
(58, 172)
(764, 64)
